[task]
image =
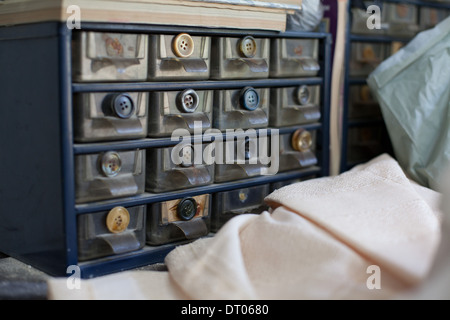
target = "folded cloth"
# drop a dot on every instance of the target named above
(369, 233)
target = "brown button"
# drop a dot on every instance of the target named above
(247, 47)
(301, 140)
(117, 219)
(365, 93)
(183, 45)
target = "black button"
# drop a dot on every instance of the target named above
(187, 208)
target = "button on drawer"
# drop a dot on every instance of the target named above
(242, 108)
(362, 104)
(365, 57)
(179, 57)
(242, 158)
(101, 56)
(365, 143)
(239, 58)
(297, 150)
(229, 204)
(187, 109)
(176, 220)
(182, 166)
(110, 116)
(294, 58)
(112, 232)
(109, 175)
(294, 105)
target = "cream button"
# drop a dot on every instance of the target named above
(111, 164)
(247, 47)
(183, 45)
(301, 140)
(117, 219)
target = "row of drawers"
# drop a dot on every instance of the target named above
(117, 174)
(122, 230)
(100, 56)
(105, 116)
(400, 19)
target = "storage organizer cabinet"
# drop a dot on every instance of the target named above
(91, 176)
(364, 132)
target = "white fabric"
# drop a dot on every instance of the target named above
(318, 243)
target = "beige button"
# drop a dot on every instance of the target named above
(301, 140)
(111, 164)
(183, 45)
(247, 47)
(117, 219)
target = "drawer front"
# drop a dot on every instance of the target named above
(290, 106)
(109, 175)
(187, 109)
(182, 166)
(229, 204)
(298, 150)
(240, 58)
(106, 233)
(104, 116)
(242, 108)
(179, 57)
(101, 56)
(177, 220)
(365, 57)
(294, 58)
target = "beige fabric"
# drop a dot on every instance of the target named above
(318, 243)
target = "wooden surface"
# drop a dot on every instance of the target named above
(262, 15)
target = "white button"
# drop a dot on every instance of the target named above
(247, 47)
(111, 164)
(303, 95)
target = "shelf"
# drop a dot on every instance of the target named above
(164, 29)
(147, 198)
(198, 85)
(378, 38)
(357, 80)
(433, 4)
(353, 123)
(145, 256)
(87, 148)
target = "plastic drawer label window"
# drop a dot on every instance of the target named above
(294, 57)
(179, 57)
(291, 106)
(187, 110)
(240, 58)
(113, 232)
(110, 56)
(102, 116)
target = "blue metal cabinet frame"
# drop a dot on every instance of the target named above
(37, 201)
